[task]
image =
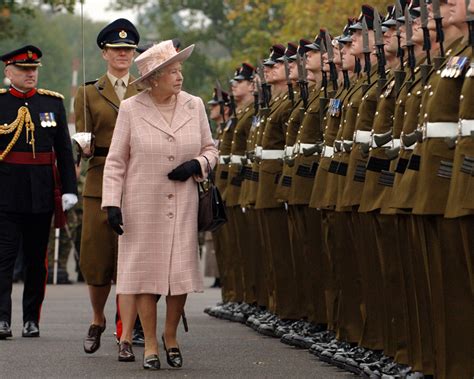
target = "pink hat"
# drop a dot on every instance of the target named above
(159, 56)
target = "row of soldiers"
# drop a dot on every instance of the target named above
(347, 168)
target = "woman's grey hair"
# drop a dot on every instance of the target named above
(148, 82)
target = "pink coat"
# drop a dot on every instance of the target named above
(158, 251)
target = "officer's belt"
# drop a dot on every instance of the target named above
(272, 154)
(40, 159)
(224, 159)
(396, 143)
(378, 164)
(441, 129)
(467, 127)
(362, 136)
(101, 151)
(237, 158)
(328, 151)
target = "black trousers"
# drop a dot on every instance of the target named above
(33, 231)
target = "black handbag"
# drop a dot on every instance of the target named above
(211, 213)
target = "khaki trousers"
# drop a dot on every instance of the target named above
(278, 251)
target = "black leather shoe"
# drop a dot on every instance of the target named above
(5, 330)
(151, 362)
(138, 338)
(30, 329)
(173, 355)
(92, 340)
(125, 352)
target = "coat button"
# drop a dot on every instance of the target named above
(171, 139)
(170, 196)
(171, 158)
(170, 215)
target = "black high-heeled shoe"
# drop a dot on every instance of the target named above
(173, 355)
(151, 362)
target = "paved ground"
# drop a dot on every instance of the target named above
(212, 349)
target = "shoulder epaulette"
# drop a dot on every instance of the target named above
(47, 92)
(3, 90)
(91, 82)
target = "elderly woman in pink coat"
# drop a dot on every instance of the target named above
(161, 146)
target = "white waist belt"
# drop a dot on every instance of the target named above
(272, 154)
(289, 151)
(236, 159)
(467, 127)
(222, 158)
(374, 145)
(305, 146)
(258, 151)
(396, 142)
(441, 129)
(328, 151)
(362, 136)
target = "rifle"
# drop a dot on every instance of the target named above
(232, 106)
(266, 88)
(291, 94)
(400, 73)
(302, 79)
(220, 100)
(425, 68)
(381, 61)
(332, 66)
(256, 94)
(410, 44)
(366, 51)
(438, 61)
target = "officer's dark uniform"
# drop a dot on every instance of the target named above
(30, 185)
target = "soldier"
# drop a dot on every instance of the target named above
(219, 113)
(34, 137)
(96, 106)
(448, 273)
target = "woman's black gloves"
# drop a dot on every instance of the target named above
(185, 170)
(114, 216)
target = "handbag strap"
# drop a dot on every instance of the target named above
(209, 170)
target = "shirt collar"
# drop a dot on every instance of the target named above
(113, 78)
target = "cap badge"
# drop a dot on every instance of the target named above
(30, 54)
(123, 34)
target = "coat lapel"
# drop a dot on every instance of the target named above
(181, 113)
(107, 90)
(151, 115)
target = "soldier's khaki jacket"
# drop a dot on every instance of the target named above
(363, 104)
(272, 138)
(461, 192)
(238, 146)
(101, 110)
(442, 105)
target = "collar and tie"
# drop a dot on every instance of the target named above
(120, 88)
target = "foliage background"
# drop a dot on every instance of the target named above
(226, 32)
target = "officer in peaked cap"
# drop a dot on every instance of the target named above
(367, 12)
(276, 52)
(32, 188)
(246, 72)
(290, 52)
(119, 33)
(102, 98)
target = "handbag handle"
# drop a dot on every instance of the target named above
(209, 170)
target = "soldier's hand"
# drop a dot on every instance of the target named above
(185, 170)
(114, 217)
